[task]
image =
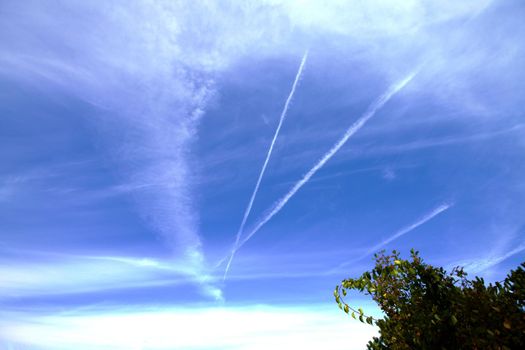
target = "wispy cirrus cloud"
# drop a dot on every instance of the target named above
(148, 72)
(147, 101)
(47, 274)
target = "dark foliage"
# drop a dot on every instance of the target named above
(427, 308)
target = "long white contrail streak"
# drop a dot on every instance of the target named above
(409, 228)
(380, 102)
(270, 150)
(486, 263)
(432, 214)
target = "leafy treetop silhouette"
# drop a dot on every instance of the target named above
(427, 308)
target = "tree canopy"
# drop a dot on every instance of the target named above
(427, 308)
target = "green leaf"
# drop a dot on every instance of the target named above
(417, 298)
(453, 319)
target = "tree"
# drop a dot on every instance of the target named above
(427, 308)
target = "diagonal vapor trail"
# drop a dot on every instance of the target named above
(486, 263)
(411, 227)
(427, 217)
(356, 126)
(263, 169)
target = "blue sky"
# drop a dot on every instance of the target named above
(132, 136)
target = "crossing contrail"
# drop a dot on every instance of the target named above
(252, 198)
(371, 111)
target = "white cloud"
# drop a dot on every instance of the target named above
(242, 327)
(149, 68)
(56, 274)
(126, 61)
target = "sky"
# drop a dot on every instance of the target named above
(202, 174)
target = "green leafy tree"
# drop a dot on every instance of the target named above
(427, 308)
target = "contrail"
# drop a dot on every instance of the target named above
(380, 102)
(250, 204)
(484, 264)
(409, 228)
